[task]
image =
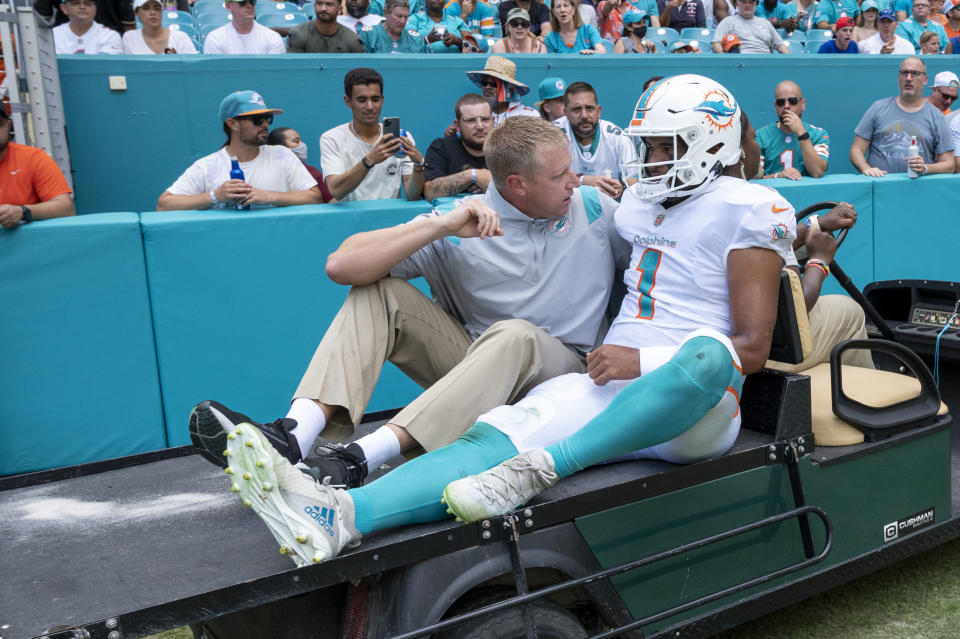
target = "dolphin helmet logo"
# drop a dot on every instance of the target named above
(719, 108)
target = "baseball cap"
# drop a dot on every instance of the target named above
(886, 14)
(139, 3)
(689, 45)
(729, 41)
(479, 42)
(635, 16)
(950, 4)
(869, 4)
(243, 103)
(946, 79)
(517, 12)
(845, 21)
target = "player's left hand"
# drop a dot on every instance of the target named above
(842, 216)
(609, 361)
(411, 150)
(821, 246)
(10, 215)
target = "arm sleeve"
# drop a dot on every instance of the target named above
(865, 129)
(424, 260)
(48, 181)
(212, 44)
(277, 47)
(722, 29)
(488, 23)
(620, 247)
(769, 224)
(955, 132)
(436, 161)
(821, 143)
(111, 43)
(192, 182)
(294, 43)
(125, 13)
(593, 36)
(182, 42)
(943, 135)
(701, 16)
(331, 162)
(298, 178)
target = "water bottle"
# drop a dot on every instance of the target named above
(912, 151)
(236, 173)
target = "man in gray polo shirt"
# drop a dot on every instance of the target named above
(521, 278)
(757, 35)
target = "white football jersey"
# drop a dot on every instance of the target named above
(677, 280)
(610, 150)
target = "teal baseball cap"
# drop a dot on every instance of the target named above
(243, 103)
(632, 16)
(869, 4)
(551, 88)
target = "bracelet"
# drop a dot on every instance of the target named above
(473, 176)
(924, 168)
(819, 264)
(805, 136)
(213, 198)
(813, 222)
(366, 165)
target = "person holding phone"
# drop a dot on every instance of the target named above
(361, 159)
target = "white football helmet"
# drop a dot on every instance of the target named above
(696, 110)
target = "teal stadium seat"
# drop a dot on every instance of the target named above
(202, 6)
(212, 19)
(820, 33)
(794, 35)
(207, 28)
(666, 35)
(795, 46)
(189, 29)
(813, 44)
(178, 17)
(696, 33)
(309, 10)
(281, 20)
(266, 8)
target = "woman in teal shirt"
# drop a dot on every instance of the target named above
(570, 34)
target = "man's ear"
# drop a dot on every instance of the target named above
(517, 185)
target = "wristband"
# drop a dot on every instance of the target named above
(819, 264)
(473, 176)
(27, 214)
(813, 223)
(366, 165)
(213, 198)
(924, 168)
(805, 136)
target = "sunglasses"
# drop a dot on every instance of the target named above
(945, 96)
(257, 119)
(519, 23)
(794, 101)
(487, 81)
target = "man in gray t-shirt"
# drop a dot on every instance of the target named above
(889, 124)
(757, 35)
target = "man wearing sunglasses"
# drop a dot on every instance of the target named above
(243, 34)
(791, 148)
(81, 34)
(273, 175)
(944, 92)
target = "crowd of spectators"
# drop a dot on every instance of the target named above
(920, 27)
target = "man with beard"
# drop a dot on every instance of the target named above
(598, 147)
(243, 34)
(323, 34)
(359, 16)
(792, 148)
(498, 84)
(392, 36)
(273, 176)
(31, 184)
(456, 164)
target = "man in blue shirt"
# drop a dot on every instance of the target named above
(790, 147)
(842, 38)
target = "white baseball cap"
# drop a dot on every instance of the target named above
(946, 79)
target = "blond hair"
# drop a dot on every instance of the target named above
(577, 20)
(515, 147)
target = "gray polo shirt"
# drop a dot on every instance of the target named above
(757, 35)
(889, 128)
(555, 273)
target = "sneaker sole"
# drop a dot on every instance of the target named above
(208, 434)
(449, 500)
(255, 480)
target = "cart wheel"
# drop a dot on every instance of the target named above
(551, 620)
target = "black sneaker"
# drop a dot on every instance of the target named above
(337, 465)
(211, 422)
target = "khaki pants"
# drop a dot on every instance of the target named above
(391, 320)
(833, 319)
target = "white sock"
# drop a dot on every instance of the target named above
(379, 446)
(310, 422)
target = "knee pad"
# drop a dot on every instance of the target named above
(708, 363)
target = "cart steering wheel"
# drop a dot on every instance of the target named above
(840, 235)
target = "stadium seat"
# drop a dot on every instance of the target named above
(268, 7)
(309, 10)
(178, 17)
(696, 33)
(665, 35)
(208, 5)
(274, 20)
(820, 33)
(205, 29)
(795, 46)
(793, 35)
(813, 44)
(213, 19)
(189, 29)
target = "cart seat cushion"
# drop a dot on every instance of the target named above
(868, 386)
(803, 322)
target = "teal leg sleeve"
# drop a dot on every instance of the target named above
(410, 494)
(653, 409)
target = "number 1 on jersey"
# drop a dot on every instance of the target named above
(647, 267)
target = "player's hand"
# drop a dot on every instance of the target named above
(609, 361)
(842, 216)
(232, 191)
(385, 148)
(793, 122)
(410, 150)
(610, 186)
(917, 164)
(873, 171)
(471, 219)
(791, 174)
(10, 215)
(821, 246)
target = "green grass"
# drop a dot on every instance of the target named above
(915, 599)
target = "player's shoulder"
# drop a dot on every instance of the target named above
(754, 195)
(609, 128)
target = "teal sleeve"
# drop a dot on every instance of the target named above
(593, 36)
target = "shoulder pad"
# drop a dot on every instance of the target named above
(366, 27)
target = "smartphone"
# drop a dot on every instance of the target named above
(392, 125)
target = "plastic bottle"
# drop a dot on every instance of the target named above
(236, 173)
(912, 151)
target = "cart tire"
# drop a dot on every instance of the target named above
(551, 620)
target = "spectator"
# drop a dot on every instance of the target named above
(951, 9)
(479, 16)
(550, 104)
(805, 10)
(243, 34)
(444, 31)
(886, 40)
(730, 43)
(359, 161)
(568, 32)
(829, 11)
(498, 83)
(598, 148)
(456, 164)
(913, 27)
(539, 15)
(756, 35)
(31, 184)
(113, 14)
(867, 20)
(323, 34)
(944, 91)
(684, 46)
(518, 38)
(273, 176)
(81, 34)
(474, 43)
(392, 35)
(358, 15)
(955, 134)
(842, 38)
(791, 148)
(780, 15)
(634, 36)
(588, 14)
(887, 126)
(680, 14)
(929, 43)
(612, 13)
(154, 38)
(285, 136)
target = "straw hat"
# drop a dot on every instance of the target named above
(502, 69)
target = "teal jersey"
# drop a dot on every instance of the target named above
(904, 5)
(484, 20)
(832, 10)
(782, 151)
(377, 40)
(376, 7)
(424, 24)
(780, 12)
(646, 8)
(911, 30)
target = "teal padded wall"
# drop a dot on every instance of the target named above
(128, 146)
(240, 302)
(78, 369)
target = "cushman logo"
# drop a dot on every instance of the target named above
(907, 525)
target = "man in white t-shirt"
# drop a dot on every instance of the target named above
(885, 40)
(81, 34)
(358, 160)
(756, 35)
(272, 175)
(243, 34)
(598, 148)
